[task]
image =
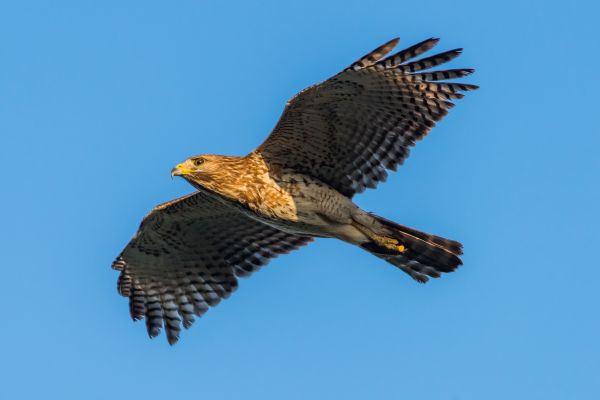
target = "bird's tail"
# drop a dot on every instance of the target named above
(419, 254)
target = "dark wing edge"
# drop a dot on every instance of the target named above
(187, 256)
(398, 102)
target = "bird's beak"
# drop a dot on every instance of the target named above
(179, 170)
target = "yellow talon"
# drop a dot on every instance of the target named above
(401, 248)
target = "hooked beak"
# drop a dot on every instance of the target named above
(176, 171)
(180, 170)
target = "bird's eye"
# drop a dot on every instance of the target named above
(198, 162)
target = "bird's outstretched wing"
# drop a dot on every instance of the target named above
(187, 255)
(347, 130)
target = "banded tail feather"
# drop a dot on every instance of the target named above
(421, 255)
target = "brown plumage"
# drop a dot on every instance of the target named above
(333, 140)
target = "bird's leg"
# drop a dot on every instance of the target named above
(383, 241)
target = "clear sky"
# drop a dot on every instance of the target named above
(99, 100)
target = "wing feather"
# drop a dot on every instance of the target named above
(348, 130)
(374, 56)
(187, 256)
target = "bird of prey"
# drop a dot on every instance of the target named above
(333, 140)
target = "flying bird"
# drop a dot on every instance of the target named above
(333, 140)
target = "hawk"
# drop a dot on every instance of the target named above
(334, 140)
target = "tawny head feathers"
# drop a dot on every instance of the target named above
(212, 171)
(201, 164)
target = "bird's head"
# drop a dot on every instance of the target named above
(211, 171)
(204, 164)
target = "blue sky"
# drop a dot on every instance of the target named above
(98, 100)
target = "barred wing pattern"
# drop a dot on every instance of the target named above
(347, 130)
(187, 256)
